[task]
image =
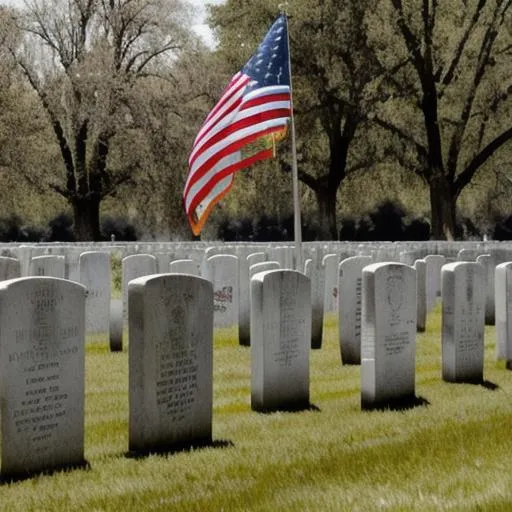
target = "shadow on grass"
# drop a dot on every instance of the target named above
(179, 448)
(27, 475)
(398, 404)
(291, 408)
(487, 384)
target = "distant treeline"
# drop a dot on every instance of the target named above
(389, 221)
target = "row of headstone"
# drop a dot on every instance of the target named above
(171, 319)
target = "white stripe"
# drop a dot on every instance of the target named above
(265, 91)
(228, 160)
(239, 134)
(238, 115)
(211, 120)
(219, 188)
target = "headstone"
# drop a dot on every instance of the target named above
(487, 261)
(463, 292)
(421, 294)
(41, 374)
(170, 362)
(503, 300)
(330, 263)
(280, 340)
(388, 345)
(185, 266)
(349, 307)
(9, 268)
(313, 269)
(95, 275)
(116, 325)
(244, 306)
(434, 264)
(222, 271)
(162, 262)
(49, 266)
(134, 266)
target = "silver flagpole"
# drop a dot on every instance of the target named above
(295, 175)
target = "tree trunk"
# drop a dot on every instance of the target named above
(86, 218)
(442, 209)
(326, 200)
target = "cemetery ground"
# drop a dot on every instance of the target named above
(452, 454)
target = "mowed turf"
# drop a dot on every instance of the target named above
(452, 454)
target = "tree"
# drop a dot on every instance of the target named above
(83, 58)
(333, 70)
(450, 102)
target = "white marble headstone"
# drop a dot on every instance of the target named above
(388, 344)
(280, 340)
(503, 300)
(463, 293)
(134, 266)
(9, 268)
(349, 308)
(186, 266)
(95, 275)
(170, 362)
(222, 271)
(41, 374)
(421, 298)
(49, 266)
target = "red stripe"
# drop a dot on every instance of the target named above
(228, 94)
(265, 115)
(261, 155)
(235, 106)
(254, 102)
(236, 145)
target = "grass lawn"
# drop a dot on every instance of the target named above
(449, 455)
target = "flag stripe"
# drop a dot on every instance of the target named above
(242, 164)
(246, 118)
(231, 143)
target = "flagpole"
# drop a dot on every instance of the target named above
(295, 175)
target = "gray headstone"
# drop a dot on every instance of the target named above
(280, 340)
(313, 269)
(330, 263)
(244, 327)
(185, 266)
(388, 345)
(162, 262)
(503, 300)
(170, 362)
(244, 306)
(463, 292)
(95, 275)
(9, 268)
(349, 308)
(487, 261)
(41, 374)
(222, 271)
(48, 266)
(134, 266)
(434, 264)
(116, 325)
(421, 294)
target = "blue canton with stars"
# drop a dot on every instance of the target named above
(269, 65)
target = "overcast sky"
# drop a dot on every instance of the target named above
(200, 27)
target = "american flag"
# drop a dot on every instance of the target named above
(242, 128)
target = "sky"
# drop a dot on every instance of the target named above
(200, 26)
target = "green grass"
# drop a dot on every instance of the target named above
(450, 455)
